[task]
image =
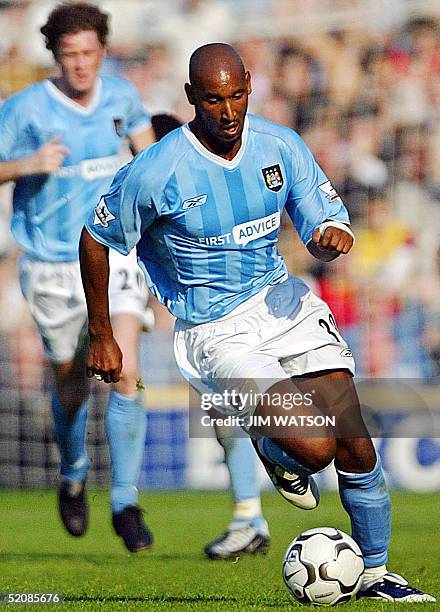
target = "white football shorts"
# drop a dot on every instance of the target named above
(57, 303)
(127, 287)
(283, 331)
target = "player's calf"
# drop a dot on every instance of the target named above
(355, 455)
(303, 434)
(293, 481)
(313, 454)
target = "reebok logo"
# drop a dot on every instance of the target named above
(193, 202)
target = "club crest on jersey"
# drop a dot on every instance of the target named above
(193, 202)
(102, 214)
(330, 192)
(273, 177)
(117, 122)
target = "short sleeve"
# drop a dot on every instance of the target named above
(138, 119)
(126, 211)
(311, 197)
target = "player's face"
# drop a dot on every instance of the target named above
(221, 103)
(80, 56)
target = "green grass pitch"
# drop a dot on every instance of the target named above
(96, 573)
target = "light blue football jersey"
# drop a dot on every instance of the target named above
(49, 211)
(206, 228)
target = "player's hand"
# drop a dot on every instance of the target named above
(48, 158)
(104, 360)
(333, 239)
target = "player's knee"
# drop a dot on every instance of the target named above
(128, 384)
(71, 400)
(356, 455)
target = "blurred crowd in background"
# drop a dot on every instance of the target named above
(360, 81)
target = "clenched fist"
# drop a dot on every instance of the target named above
(48, 158)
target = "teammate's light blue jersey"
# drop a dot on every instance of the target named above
(206, 227)
(49, 211)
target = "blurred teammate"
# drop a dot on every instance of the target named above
(60, 143)
(203, 207)
(247, 531)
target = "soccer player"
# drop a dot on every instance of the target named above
(247, 532)
(203, 207)
(59, 142)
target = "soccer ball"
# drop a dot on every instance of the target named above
(323, 566)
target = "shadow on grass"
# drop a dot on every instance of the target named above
(189, 599)
(99, 557)
(154, 599)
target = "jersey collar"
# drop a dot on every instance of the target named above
(54, 92)
(221, 161)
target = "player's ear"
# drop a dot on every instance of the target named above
(247, 76)
(189, 93)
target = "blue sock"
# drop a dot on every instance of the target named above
(242, 465)
(70, 435)
(126, 426)
(275, 454)
(365, 498)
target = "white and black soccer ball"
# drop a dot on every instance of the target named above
(323, 566)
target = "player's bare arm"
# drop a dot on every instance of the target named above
(104, 359)
(46, 160)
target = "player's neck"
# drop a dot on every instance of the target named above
(226, 150)
(83, 98)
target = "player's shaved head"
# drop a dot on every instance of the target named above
(218, 89)
(217, 60)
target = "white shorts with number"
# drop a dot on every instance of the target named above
(57, 303)
(283, 331)
(127, 288)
